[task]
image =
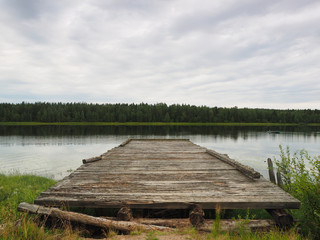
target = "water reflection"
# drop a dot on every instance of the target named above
(54, 150)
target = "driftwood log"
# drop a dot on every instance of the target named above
(88, 220)
(93, 159)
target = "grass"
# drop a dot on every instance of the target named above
(274, 234)
(15, 225)
(16, 188)
(147, 124)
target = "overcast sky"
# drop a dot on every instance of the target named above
(245, 53)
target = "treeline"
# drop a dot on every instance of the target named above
(161, 112)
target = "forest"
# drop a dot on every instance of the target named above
(160, 112)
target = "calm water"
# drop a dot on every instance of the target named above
(54, 151)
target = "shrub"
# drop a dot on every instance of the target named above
(301, 178)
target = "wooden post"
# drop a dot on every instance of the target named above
(196, 216)
(124, 214)
(271, 172)
(279, 179)
(281, 217)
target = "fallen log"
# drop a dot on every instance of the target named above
(88, 220)
(226, 225)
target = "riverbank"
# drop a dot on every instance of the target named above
(152, 124)
(25, 188)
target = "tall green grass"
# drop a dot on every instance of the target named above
(21, 188)
(15, 189)
(301, 178)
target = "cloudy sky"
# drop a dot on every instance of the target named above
(245, 53)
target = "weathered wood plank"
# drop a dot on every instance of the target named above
(169, 204)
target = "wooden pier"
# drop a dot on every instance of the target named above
(165, 174)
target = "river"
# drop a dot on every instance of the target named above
(55, 151)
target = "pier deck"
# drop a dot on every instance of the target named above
(165, 174)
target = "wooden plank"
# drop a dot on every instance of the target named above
(170, 204)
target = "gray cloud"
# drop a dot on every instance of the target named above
(245, 53)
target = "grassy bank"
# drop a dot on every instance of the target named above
(25, 188)
(149, 124)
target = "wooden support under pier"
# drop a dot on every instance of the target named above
(145, 224)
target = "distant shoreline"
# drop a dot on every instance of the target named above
(150, 124)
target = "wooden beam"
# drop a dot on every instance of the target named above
(248, 171)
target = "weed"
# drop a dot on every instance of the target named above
(216, 229)
(151, 236)
(301, 178)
